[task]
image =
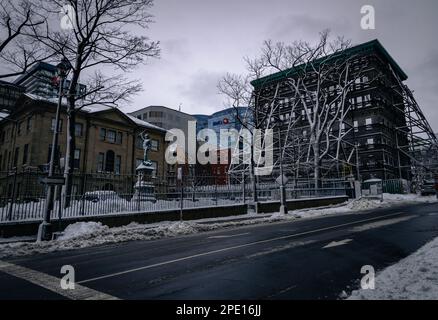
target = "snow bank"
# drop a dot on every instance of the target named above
(78, 229)
(413, 278)
(87, 234)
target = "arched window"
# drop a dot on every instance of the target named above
(109, 161)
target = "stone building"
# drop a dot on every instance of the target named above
(108, 145)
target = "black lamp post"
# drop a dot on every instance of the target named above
(45, 228)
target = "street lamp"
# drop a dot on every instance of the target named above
(45, 228)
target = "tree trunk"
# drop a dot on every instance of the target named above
(317, 165)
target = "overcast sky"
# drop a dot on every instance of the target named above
(203, 39)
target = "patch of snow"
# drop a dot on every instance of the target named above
(78, 229)
(413, 278)
(144, 123)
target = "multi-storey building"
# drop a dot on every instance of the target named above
(164, 117)
(373, 131)
(40, 80)
(9, 94)
(108, 143)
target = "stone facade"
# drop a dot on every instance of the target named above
(107, 140)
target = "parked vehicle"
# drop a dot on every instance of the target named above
(428, 188)
(101, 195)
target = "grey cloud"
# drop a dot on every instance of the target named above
(201, 89)
(305, 26)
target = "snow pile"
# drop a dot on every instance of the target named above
(408, 198)
(87, 234)
(361, 204)
(82, 228)
(389, 200)
(413, 278)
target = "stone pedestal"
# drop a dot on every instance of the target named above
(144, 187)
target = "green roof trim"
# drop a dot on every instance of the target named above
(370, 46)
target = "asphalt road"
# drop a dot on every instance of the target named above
(304, 259)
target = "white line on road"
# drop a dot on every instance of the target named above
(337, 243)
(383, 223)
(53, 283)
(228, 236)
(234, 247)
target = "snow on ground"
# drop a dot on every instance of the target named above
(413, 278)
(86, 234)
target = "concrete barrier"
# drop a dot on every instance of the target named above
(28, 228)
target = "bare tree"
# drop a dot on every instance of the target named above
(17, 49)
(94, 34)
(314, 79)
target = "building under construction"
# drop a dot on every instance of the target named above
(380, 132)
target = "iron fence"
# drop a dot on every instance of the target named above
(23, 194)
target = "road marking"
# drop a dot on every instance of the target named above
(280, 248)
(53, 283)
(228, 236)
(234, 247)
(337, 243)
(383, 223)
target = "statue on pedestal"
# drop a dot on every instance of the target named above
(144, 188)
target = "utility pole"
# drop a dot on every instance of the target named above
(45, 228)
(283, 204)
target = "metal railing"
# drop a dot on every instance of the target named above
(22, 194)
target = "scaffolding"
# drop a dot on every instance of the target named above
(422, 144)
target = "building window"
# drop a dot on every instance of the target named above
(118, 165)
(78, 129)
(53, 125)
(29, 124)
(109, 161)
(20, 126)
(156, 114)
(77, 159)
(154, 145)
(145, 116)
(155, 166)
(342, 127)
(119, 138)
(368, 123)
(370, 141)
(17, 152)
(102, 134)
(111, 137)
(100, 161)
(25, 153)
